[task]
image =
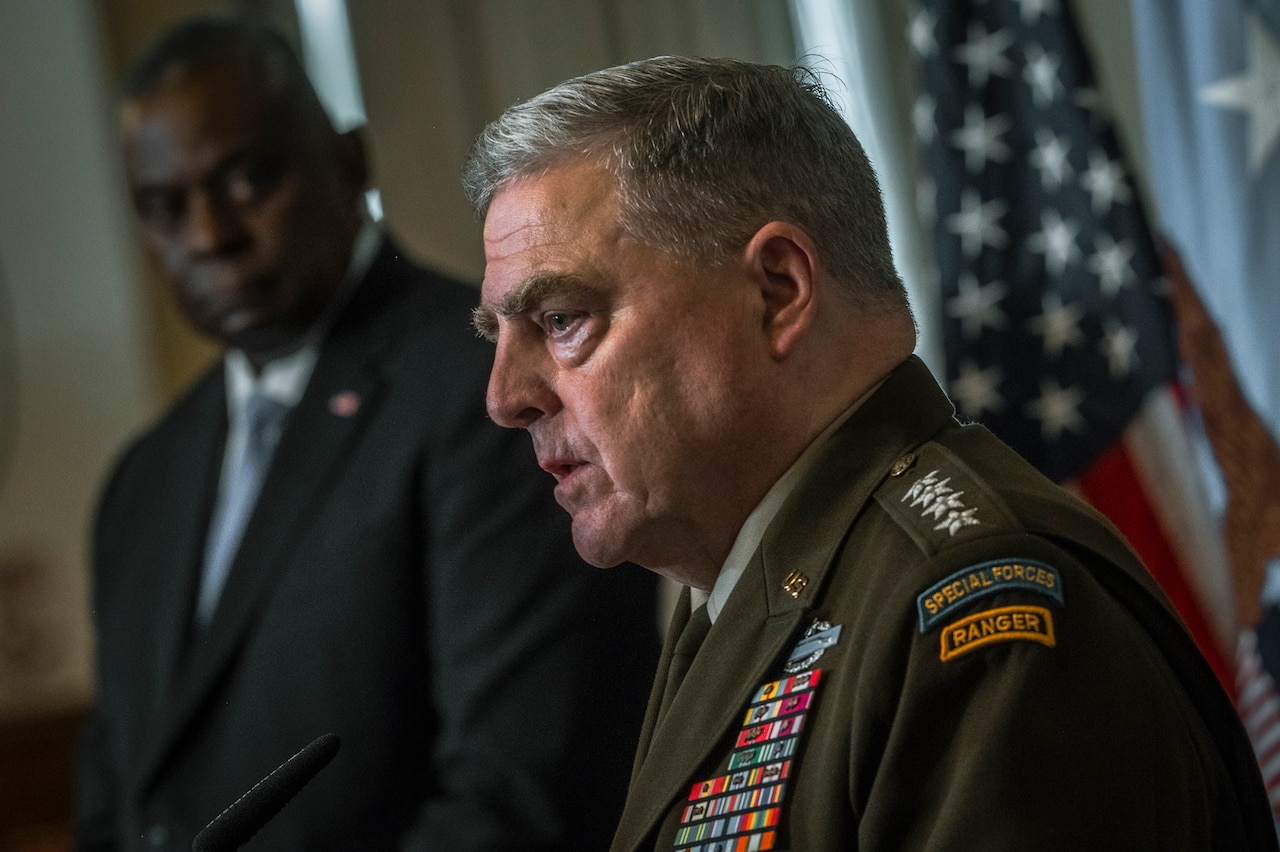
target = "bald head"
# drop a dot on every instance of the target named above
(266, 64)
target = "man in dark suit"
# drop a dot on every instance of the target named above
(326, 534)
(896, 634)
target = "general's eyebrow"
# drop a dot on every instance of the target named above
(485, 322)
(523, 299)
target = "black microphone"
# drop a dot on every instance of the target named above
(247, 814)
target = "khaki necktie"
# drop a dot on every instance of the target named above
(687, 645)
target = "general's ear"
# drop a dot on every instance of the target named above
(785, 262)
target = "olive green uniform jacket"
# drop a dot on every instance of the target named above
(993, 669)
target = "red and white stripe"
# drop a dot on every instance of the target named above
(1259, 705)
(1148, 485)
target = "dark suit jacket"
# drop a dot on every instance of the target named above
(406, 582)
(1005, 676)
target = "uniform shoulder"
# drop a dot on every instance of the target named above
(941, 501)
(990, 532)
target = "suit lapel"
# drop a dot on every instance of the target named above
(306, 463)
(186, 507)
(183, 509)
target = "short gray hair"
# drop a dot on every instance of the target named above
(705, 152)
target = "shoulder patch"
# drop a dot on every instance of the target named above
(988, 578)
(939, 500)
(1002, 624)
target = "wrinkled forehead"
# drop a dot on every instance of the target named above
(551, 218)
(545, 232)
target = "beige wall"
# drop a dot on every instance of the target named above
(74, 357)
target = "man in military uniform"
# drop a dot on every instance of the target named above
(896, 634)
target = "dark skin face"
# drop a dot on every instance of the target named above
(249, 203)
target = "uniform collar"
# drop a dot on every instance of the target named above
(757, 523)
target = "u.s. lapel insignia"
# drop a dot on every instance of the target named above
(820, 636)
(794, 583)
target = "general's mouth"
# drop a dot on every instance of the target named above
(559, 468)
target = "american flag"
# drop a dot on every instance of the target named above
(1057, 332)
(1210, 82)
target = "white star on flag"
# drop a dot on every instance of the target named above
(920, 33)
(977, 389)
(1058, 324)
(1041, 75)
(1057, 408)
(977, 306)
(1255, 92)
(983, 53)
(1120, 347)
(1056, 240)
(1050, 157)
(980, 138)
(978, 224)
(1104, 180)
(1110, 261)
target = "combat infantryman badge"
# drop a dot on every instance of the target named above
(816, 640)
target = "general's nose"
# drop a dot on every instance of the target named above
(519, 392)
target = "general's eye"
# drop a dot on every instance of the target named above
(559, 322)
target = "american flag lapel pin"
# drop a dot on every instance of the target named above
(344, 403)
